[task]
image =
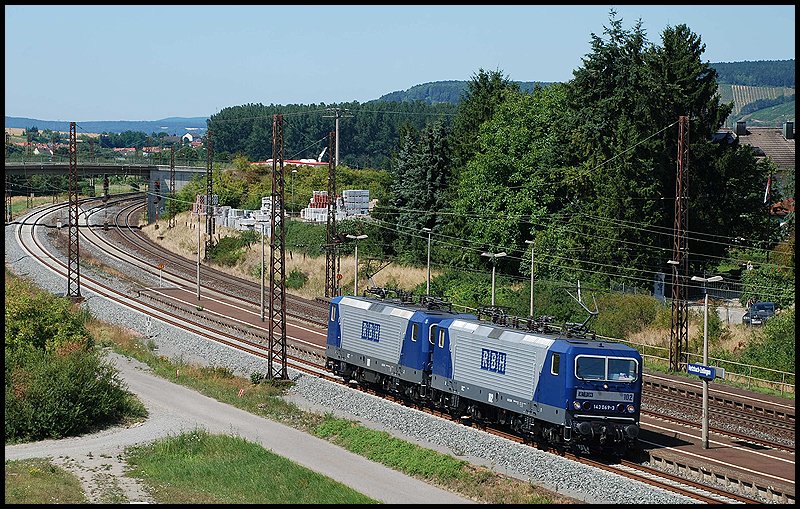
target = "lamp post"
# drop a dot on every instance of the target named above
(428, 287)
(198, 254)
(531, 243)
(705, 280)
(262, 271)
(355, 276)
(293, 172)
(494, 257)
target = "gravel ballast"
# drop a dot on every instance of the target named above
(524, 462)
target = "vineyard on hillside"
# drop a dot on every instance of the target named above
(742, 95)
(774, 116)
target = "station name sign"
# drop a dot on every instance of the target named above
(707, 372)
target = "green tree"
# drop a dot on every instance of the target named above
(517, 178)
(421, 179)
(485, 91)
(769, 282)
(776, 348)
(230, 188)
(627, 98)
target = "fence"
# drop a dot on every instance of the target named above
(737, 372)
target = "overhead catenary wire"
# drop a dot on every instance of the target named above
(413, 232)
(619, 222)
(486, 217)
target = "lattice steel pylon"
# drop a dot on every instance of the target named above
(172, 207)
(209, 195)
(105, 201)
(8, 186)
(276, 363)
(679, 332)
(331, 270)
(8, 200)
(73, 257)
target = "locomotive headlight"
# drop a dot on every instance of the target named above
(631, 409)
(576, 405)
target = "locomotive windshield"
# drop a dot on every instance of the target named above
(590, 367)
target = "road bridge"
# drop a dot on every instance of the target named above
(151, 173)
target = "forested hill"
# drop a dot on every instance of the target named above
(444, 91)
(761, 73)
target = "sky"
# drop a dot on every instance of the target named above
(149, 62)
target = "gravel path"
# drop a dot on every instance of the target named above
(550, 471)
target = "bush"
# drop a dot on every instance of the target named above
(56, 384)
(624, 314)
(467, 289)
(39, 320)
(53, 395)
(296, 280)
(715, 330)
(776, 349)
(227, 252)
(307, 238)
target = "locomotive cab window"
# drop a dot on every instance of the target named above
(441, 338)
(555, 364)
(622, 370)
(333, 313)
(617, 369)
(414, 331)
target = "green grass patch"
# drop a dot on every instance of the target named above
(381, 447)
(37, 481)
(200, 468)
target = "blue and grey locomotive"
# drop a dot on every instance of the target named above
(579, 394)
(384, 342)
(582, 395)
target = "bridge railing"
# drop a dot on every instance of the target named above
(152, 160)
(59, 159)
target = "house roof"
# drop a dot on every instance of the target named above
(771, 142)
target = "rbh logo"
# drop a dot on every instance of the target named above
(493, 361)
(371, 331)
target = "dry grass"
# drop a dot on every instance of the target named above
(183, 240)
(734, 337)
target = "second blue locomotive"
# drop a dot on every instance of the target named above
(580, 394)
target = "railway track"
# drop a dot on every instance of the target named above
(140, 251)
(766, 424)
(719, 415)
(306, 357)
